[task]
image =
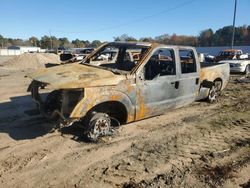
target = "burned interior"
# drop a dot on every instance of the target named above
(161, 63)
(118, 56)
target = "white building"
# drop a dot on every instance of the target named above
(25, 49)
(18, 50)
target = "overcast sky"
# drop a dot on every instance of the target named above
(105, 19)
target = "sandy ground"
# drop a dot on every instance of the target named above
(200, 145)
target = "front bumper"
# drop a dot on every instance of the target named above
(57, 104)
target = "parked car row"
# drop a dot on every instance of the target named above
(230, 54)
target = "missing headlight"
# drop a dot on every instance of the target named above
(70, 98)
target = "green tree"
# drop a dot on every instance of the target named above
(125, 38)
(34, 41)
(64, 42)
(163, 39)
(245, 35)
(248, 36)
(86, 43)
(206, 37)
(146, 39)
(96, 43)
(3, 41)
(223, 36)
(45, 42)
(55, 42)
(17, 42)
(78, 43)
(49, 42)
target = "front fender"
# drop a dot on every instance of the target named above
(96, 96)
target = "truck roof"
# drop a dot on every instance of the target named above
(145, 44)
(231, 50)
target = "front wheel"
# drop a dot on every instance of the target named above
(99, 125)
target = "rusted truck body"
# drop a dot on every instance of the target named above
(159, 78)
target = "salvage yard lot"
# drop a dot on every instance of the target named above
(195, 146)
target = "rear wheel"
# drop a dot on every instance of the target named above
(218, 85)
(213, 93)
(247, 71)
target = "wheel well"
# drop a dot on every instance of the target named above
(114, 109)
(218, 80)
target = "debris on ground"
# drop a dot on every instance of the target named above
(243, 79)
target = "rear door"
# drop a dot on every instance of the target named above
(189, 75)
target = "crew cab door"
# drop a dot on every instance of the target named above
(157, 84)
(189, 75)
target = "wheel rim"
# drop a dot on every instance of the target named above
(99, 126)
(212, 94)
(217, 85)
(247, 69)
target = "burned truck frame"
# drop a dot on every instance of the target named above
(144, 80)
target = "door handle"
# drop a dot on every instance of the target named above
(197, 81)
(176, 84)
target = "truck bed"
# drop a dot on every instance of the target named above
(215, 71)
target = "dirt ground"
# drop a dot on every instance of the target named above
(200, 145)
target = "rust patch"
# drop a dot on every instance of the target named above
(130, 88)
(142, 109)
(114, 98)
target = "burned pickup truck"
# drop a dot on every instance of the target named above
(138, 81)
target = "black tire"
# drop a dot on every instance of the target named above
(99, 125)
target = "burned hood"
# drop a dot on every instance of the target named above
(76, 76)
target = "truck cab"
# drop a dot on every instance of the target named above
(169, 78)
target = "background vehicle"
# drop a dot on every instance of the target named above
(75, 54)
(126, 89)
(60, 50)
(230, 54)
(238, 66)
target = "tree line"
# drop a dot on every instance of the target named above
(47, 42)
(206, 38)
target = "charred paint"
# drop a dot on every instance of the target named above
(141, 111)
(100, 86)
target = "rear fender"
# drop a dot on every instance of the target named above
(207, 84)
